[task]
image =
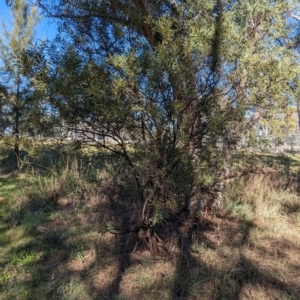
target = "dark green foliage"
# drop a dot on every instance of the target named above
(20, 101)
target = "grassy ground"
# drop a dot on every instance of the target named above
(54, 242)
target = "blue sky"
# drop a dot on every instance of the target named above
(46, 29)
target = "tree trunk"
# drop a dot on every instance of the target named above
(298, 112)
(17, 140)
(185, 91)
(17, 127)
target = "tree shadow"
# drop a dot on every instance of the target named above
(122, 211)
(41, 245)
(61, 265)
(183, 266)
(58, 270)
(249, 273)
(52, 228)
(125, 248)
(196, 278)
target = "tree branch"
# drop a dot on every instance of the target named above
(295, 16)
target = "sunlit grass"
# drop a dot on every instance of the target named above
(54, 245)
(24, 258)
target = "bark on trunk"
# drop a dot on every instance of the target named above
(17, 140)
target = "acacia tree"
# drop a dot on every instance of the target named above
(170, 86)
(279, 117)
(17, 93)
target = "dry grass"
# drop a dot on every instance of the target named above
(54, 245)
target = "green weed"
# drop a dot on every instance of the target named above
(23, 258)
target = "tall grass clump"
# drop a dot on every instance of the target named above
(259, 197)
(40, 194)
(71, 178)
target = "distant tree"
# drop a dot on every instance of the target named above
(18, 95)
(170, 86)
(280, 122)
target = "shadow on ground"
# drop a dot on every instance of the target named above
(58, 247)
